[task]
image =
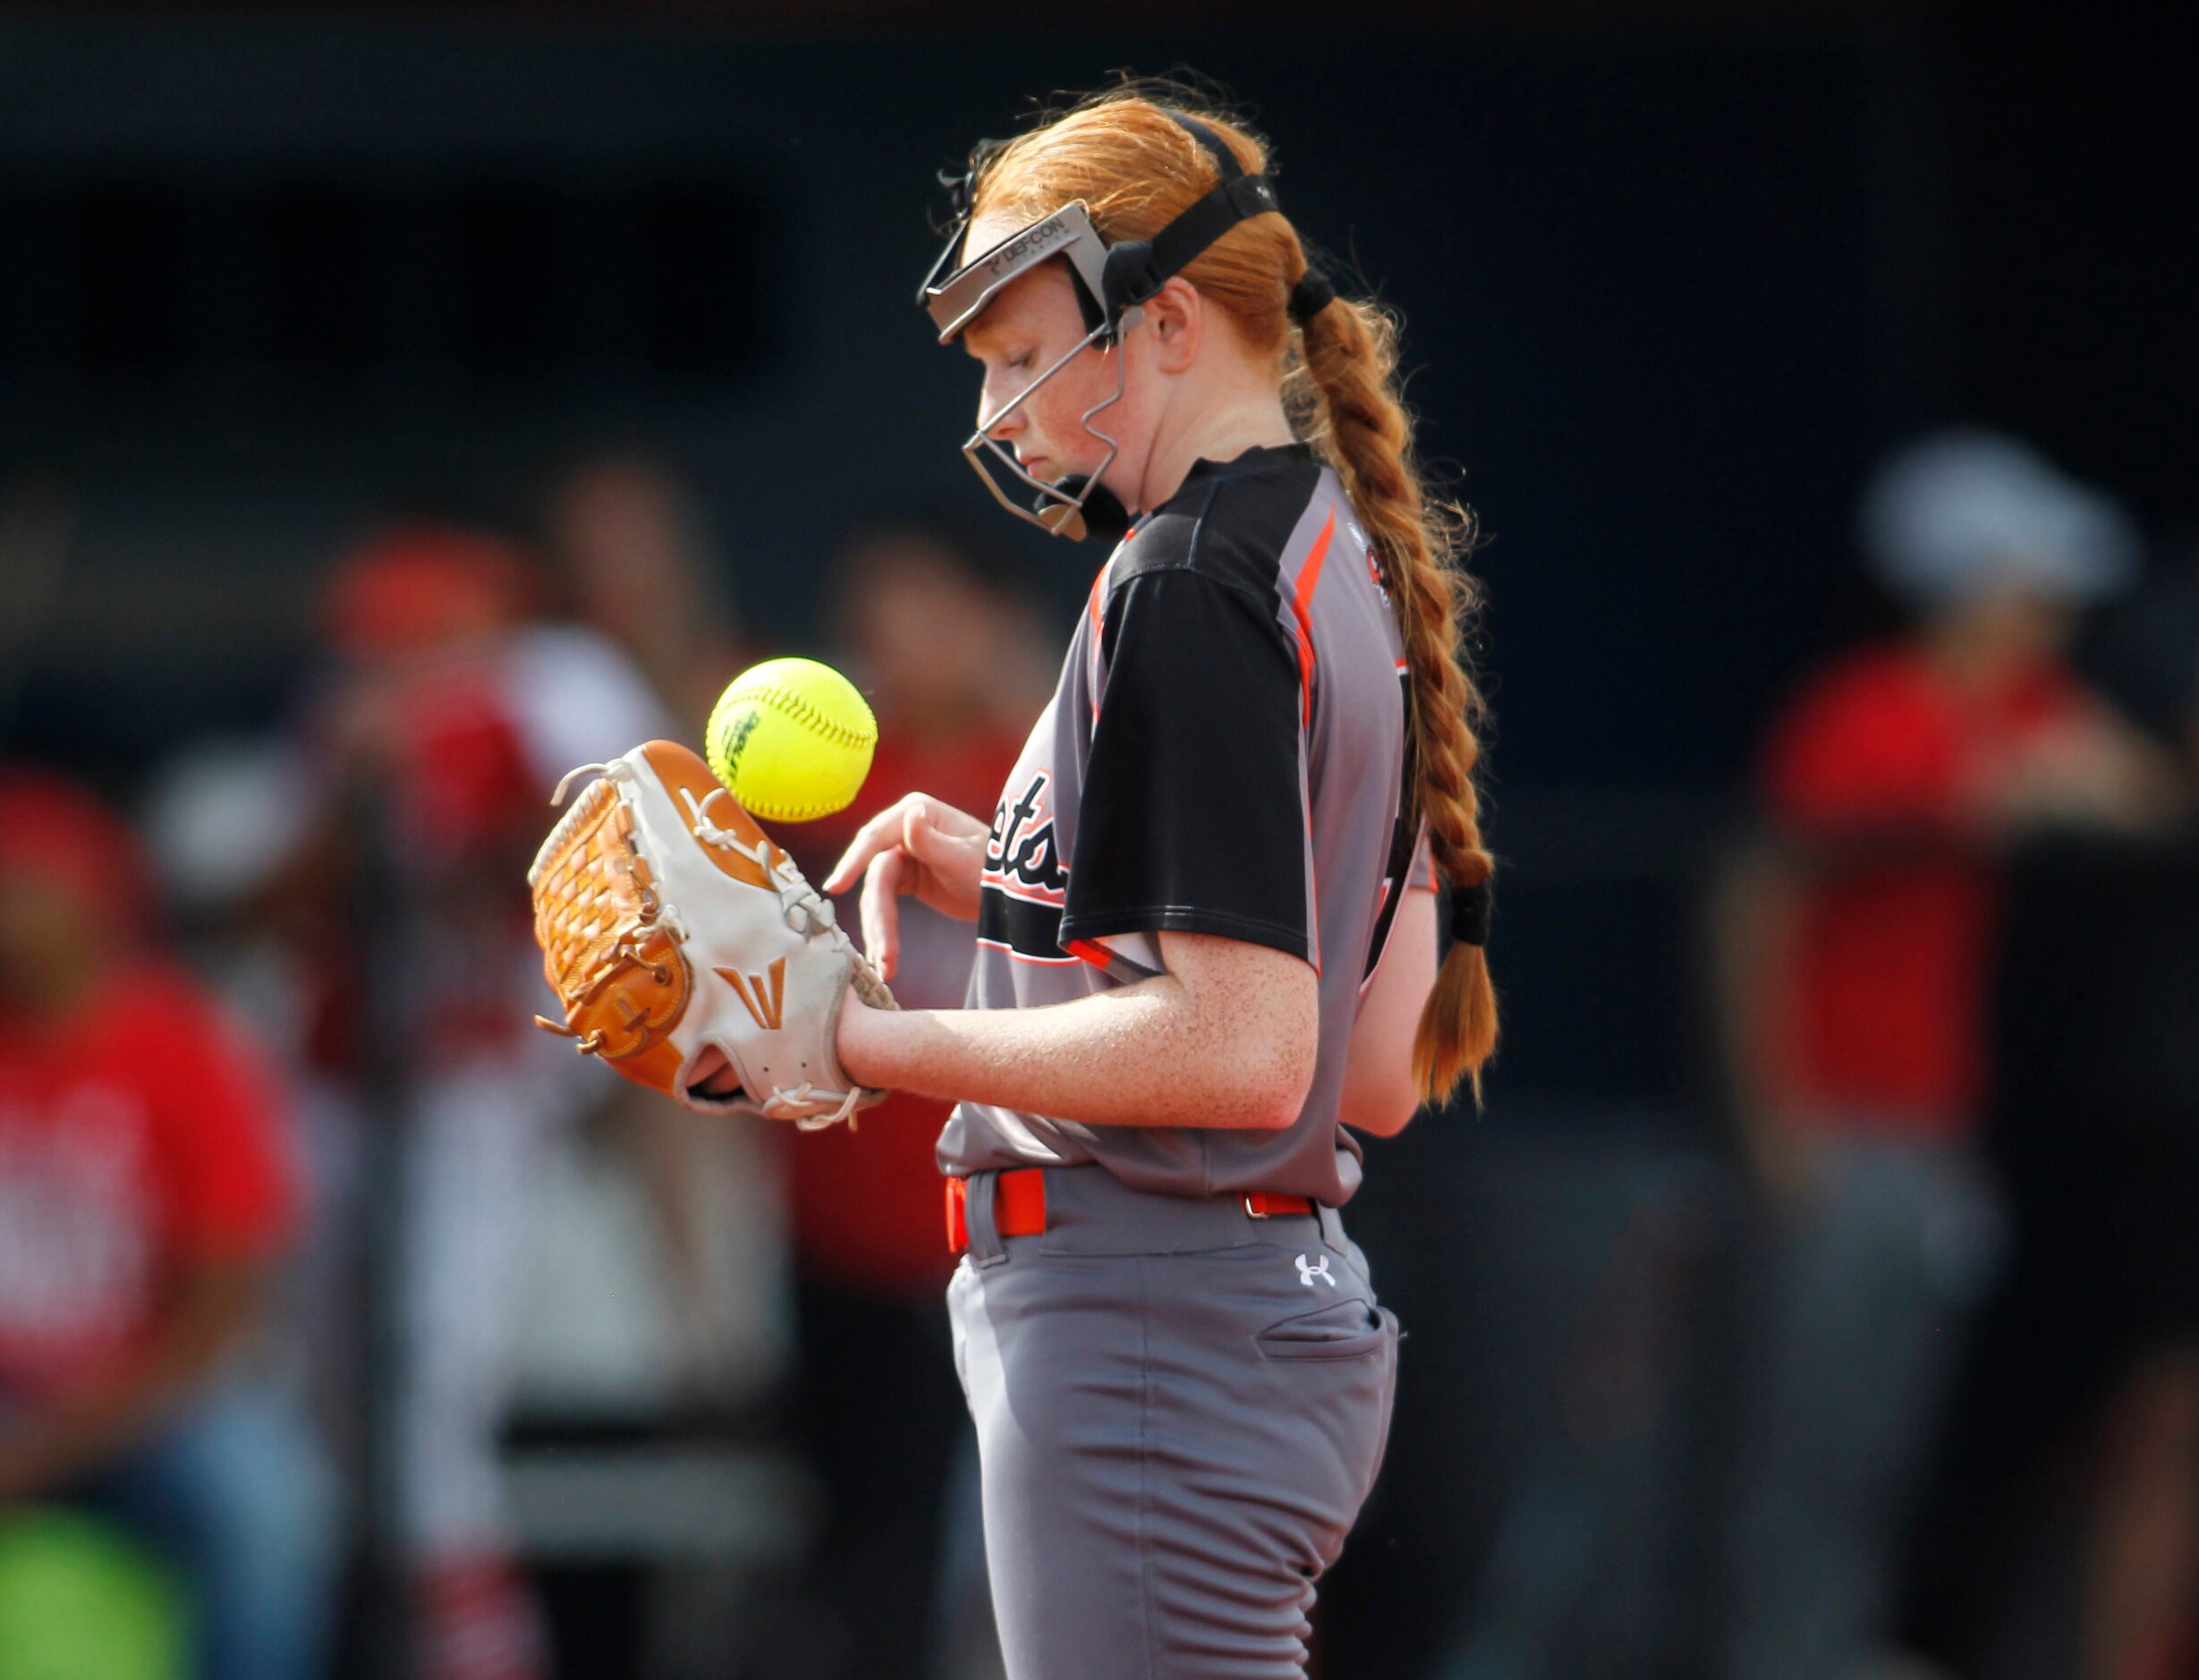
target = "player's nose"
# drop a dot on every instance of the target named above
(1000, 426)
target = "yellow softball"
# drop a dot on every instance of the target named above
(792, 739)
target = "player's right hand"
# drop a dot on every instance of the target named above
(921, 846)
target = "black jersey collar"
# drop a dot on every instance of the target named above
(1258, 458)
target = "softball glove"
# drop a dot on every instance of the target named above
(669, 921)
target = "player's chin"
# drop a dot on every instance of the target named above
(1050, 467)
(1062, 472)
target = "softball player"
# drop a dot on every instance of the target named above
(1205, 945)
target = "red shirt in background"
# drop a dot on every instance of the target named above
(867, 1204)
(136, 1135)
(1880, 757)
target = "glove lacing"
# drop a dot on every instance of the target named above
(780, 1100)
(617, 771)
(806, 913)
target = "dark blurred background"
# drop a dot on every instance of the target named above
(1674, 277)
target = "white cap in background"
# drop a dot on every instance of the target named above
(1968, 512)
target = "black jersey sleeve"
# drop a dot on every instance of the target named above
(1193, 816)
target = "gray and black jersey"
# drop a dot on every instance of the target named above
(1223, 754)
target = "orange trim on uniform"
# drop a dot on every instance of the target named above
(1090, 951)
(1099, 628)
(1301, 605)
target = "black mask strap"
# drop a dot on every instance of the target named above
(1137, 268)
(1102, 515)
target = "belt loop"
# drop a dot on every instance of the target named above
(1332, 1224)
(986, 1248)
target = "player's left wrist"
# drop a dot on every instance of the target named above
(859, 1041)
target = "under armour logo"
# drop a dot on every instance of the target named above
(766, 1000)
(1308, 1273)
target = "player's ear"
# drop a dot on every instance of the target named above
(1177, 316)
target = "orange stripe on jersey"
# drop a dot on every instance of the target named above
(1301, 605)
(1098, 592)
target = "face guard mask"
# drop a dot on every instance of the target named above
(1113, 283)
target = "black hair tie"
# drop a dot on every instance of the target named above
(1311, 295)
(1470, 908)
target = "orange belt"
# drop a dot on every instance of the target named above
(1019, 1205)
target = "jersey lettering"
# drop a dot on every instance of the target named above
(1025, 885)
(1020, 851)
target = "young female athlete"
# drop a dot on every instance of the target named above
(1200, 959)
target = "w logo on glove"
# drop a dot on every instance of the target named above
(767, 1004)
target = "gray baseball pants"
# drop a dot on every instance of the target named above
(1180, 1409)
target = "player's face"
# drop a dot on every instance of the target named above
(1031, 326)
(52, 945)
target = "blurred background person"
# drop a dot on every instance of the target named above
(147, 1194)
(2063, 1535)
(227, 821)
(1857, 945)
(939, 646)
(446, 712)
(629, 550)
(627, 538)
